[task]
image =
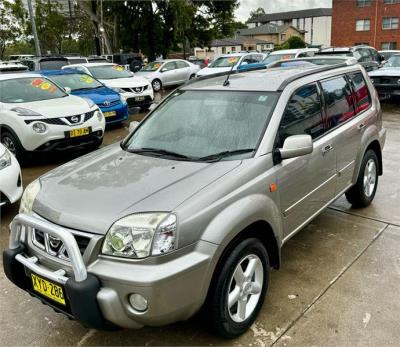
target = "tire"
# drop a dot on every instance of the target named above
(363, 192)
(12, 144)
(157, 85)
(230, 322)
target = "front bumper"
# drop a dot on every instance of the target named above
(386, 91)
(10, 183)
(121, 113)
(143, 99)
(98, 291)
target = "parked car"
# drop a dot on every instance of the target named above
(289, 54)
(97, 59)
(388, 53)
(112, 104)
(133, 61)
(168, 72)
(135, 89)
(76, 60)
(193, 207)
(11, 67)
(45, 63)
(367, 56)
(202, 63)
(37, 115)
(318, 60)
(387, 79)
(228, 62)
(20, 56)
(10, 177)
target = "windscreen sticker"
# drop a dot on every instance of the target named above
(232, 60)
(286, 57)
(263, 98)
(156, 66)
(43, 85)
(86, 79)
(118, 67)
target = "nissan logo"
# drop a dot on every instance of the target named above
(138, 89)
(74, 119)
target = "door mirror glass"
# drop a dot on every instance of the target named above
(296, 146)
(133, 125)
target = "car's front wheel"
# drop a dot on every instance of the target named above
(157, 85)
(363, 192)
(11, 143)
(239, 288)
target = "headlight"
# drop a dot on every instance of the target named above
(141, 235)
(25, 112)
(99, 115)
(39, 127)
(89, 102)
(29, 196)
(123, 99)
(118, 90)
(5, 159)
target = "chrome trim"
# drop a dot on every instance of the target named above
(65, 235)
(31, 263)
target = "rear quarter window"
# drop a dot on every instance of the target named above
(361, 91)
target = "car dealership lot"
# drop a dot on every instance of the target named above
(338, 282)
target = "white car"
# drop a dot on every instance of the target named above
(136, 90)
(290, 54)
(168, 72)
(227, 62)
(10, 177)
(12, 67)
(37, 115)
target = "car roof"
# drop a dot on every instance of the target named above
(11, 76)
(348, 60)
(294, 50)
(90, 64)
(59, 72)
(268, 80)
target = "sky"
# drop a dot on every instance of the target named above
(272, 6)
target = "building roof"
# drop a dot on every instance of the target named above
(238, 40)
(314, 12)
(266, 29)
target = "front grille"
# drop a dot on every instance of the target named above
(136, 90)
(132, 102)
(53, 121)
(387, 80)
(110, 103)
(55, 247)
(89, 115)
(71, 120)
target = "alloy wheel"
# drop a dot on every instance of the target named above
(369, 177)
(9, 144)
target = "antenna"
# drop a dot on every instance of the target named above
(226, 82)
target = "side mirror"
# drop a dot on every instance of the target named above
(296, 146)
(244, 63)
(68, 90)
(381, 58)
(163, 69)
(133, 125)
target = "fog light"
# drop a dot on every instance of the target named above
(138, 302)
(39, 127)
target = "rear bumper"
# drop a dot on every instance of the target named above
(97, 295)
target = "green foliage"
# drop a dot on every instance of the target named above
(10, 30)
(256, 13)
(292, 43)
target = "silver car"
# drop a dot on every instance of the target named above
(168, 72)
(192, 209)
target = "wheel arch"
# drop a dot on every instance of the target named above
(4, 127)
(376, 147)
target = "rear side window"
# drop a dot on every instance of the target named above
(338, 101)
(303, 115)
(52, 64)
(361, 92)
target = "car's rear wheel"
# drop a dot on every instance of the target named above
(363, 192)
(157, 85)
(238, 289)
(11, 143)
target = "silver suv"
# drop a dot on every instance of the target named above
(192, 208)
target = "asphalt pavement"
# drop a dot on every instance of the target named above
(338, 285)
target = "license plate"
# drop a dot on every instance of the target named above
(110, 114)
(139, 98)
(79, 132)
(48, 289)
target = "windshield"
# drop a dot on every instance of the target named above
(52, 64)
(108, 72)
(76, 81)
(394, 61)
(153, 66)
(198, 124)
(225, 62)
(19, 90)
(275, 57)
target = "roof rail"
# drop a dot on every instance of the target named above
(309, 73)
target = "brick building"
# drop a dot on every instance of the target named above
(372, 22)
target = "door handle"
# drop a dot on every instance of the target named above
(327, 149)
(361, 126)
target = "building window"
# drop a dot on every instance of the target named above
(283, 37)
(388, 2)
(390, 23)
(363, 3)
(233, 49)
(223, 50)
(361, 44)
(388, 45)
(363, 25)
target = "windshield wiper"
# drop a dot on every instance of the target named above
(220, 155)
(158, 151)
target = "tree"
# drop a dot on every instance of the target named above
(256, 13)
(292, 43)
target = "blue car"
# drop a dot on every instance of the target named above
(112, 104)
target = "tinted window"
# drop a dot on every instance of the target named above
(169, 66)
(361, 92)
(181, 64)
(52, 64)
(303, 115)
(338, 100)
